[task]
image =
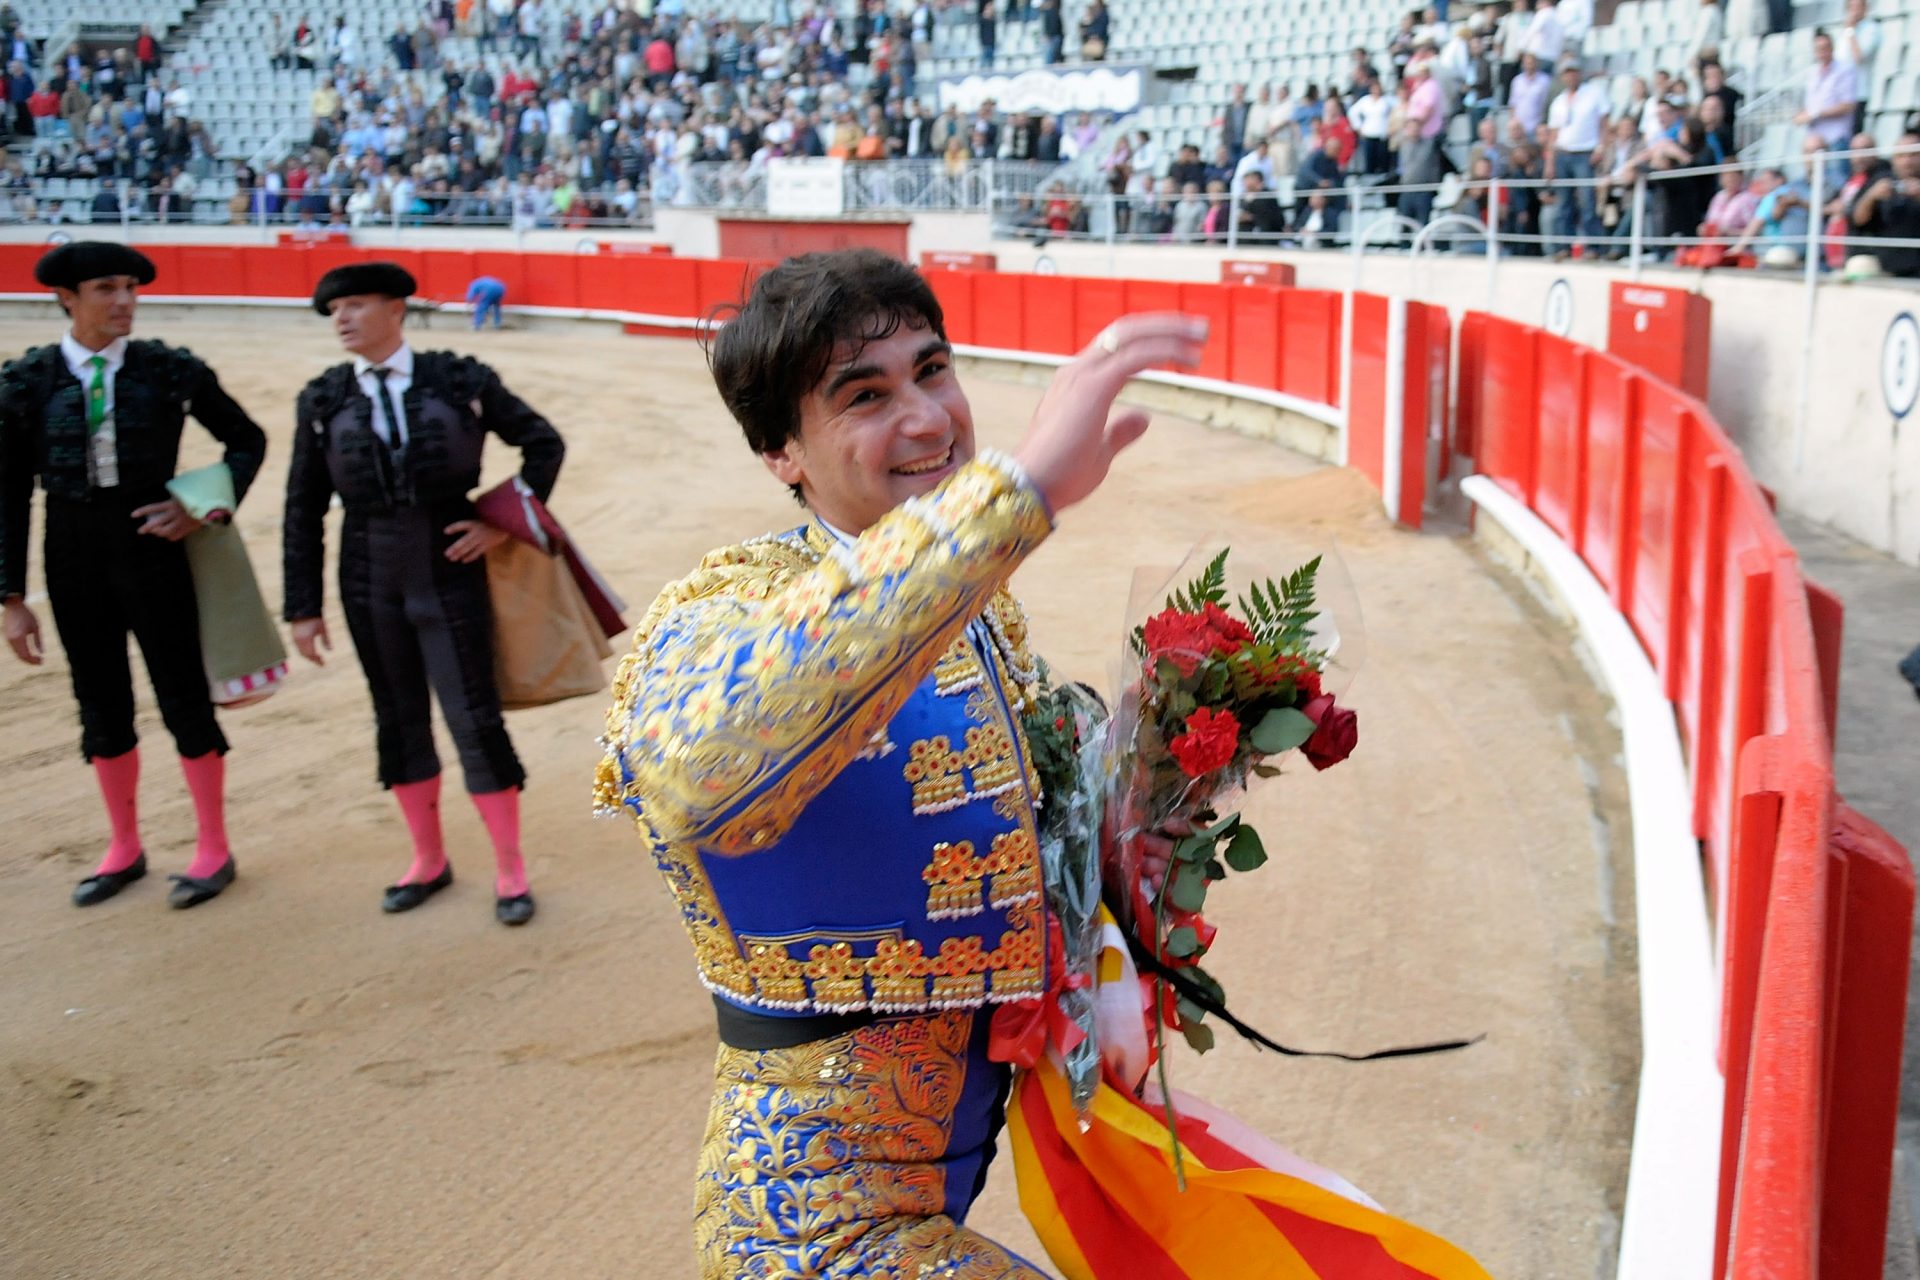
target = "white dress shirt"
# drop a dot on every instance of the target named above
(103, 449)
(401, 362)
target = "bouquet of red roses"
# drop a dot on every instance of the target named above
(1217, 695)
(1212, 695)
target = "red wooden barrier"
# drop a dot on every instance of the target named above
(999, 312)
(1813, 906)
(954, 291)
(1876, 891)
(1367, 416)
(553, 280)
(1310, 345)
(1559, 451)
(16, 267)
(1097, 303)
(210, 271)
(272, 273)
(1255, 358)
(1210, 300)
(1509, 404)
(509, 269)
(446, 273)
(1046, 314)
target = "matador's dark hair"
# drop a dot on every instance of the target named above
(774, 348)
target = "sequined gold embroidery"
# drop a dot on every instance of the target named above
(821, 1160)
(753, 682)
(953, 882)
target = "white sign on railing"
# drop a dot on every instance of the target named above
(1050, 89)
(806, 188)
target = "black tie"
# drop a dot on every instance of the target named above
(388, 448)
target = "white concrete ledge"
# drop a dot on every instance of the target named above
(1673, 1174)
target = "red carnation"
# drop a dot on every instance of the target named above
(1181, 638)
(1229, 633)
(1208, 743)
(1336, 732)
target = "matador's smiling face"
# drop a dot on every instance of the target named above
(886, 422)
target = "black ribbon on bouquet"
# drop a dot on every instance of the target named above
(1188, 989)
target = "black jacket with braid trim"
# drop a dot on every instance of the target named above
(452, 403)
(43, 433)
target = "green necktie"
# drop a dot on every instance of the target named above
(97, 394)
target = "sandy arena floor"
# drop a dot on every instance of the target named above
(287, 1083)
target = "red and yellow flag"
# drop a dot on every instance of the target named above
(1104, 1201)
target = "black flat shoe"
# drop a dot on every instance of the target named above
(191, 891)
(405, 897)
(515, 910)
(100, 887)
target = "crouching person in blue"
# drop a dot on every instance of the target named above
(818, 735)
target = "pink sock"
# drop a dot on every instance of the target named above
(119, 779)
(420, 802)
(207, 784)
(500, 810)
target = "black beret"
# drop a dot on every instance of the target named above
(388, 278)
(81, 260)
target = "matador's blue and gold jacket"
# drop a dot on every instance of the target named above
(831, 774)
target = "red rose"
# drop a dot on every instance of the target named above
(1335, 734)
(1208, 743)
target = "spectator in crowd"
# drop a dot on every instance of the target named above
(1260, 216)
(1420, 145)
(1255, 162)
(1576, 124)
(1890, 208)
(1713, 84)
(1320, 178)
(43, 108)
(1235, 122)
(1546, 37)
(1371, 118)
(1731, 210)
(1528, 94)
(1190, 215)
(1778, 229)
(146, 52)
(987, 29)
(1856, 44)
(1833, 96)
(1095, 31)
(1053, 32)
(1865, 168)
(1486, 146)
(20, 87)
(1510, 41)
(1709, 31)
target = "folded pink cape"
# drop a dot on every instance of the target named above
(512, 506)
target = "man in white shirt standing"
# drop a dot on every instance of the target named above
(1856, 44)
(398, 435)
(1576, 125)
(1255, 161)
(1546, 37)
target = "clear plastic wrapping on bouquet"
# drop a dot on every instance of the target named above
(1148, 790)
(1071, 822)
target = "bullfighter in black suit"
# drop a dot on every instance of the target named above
(397, 434)
(97, 417)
